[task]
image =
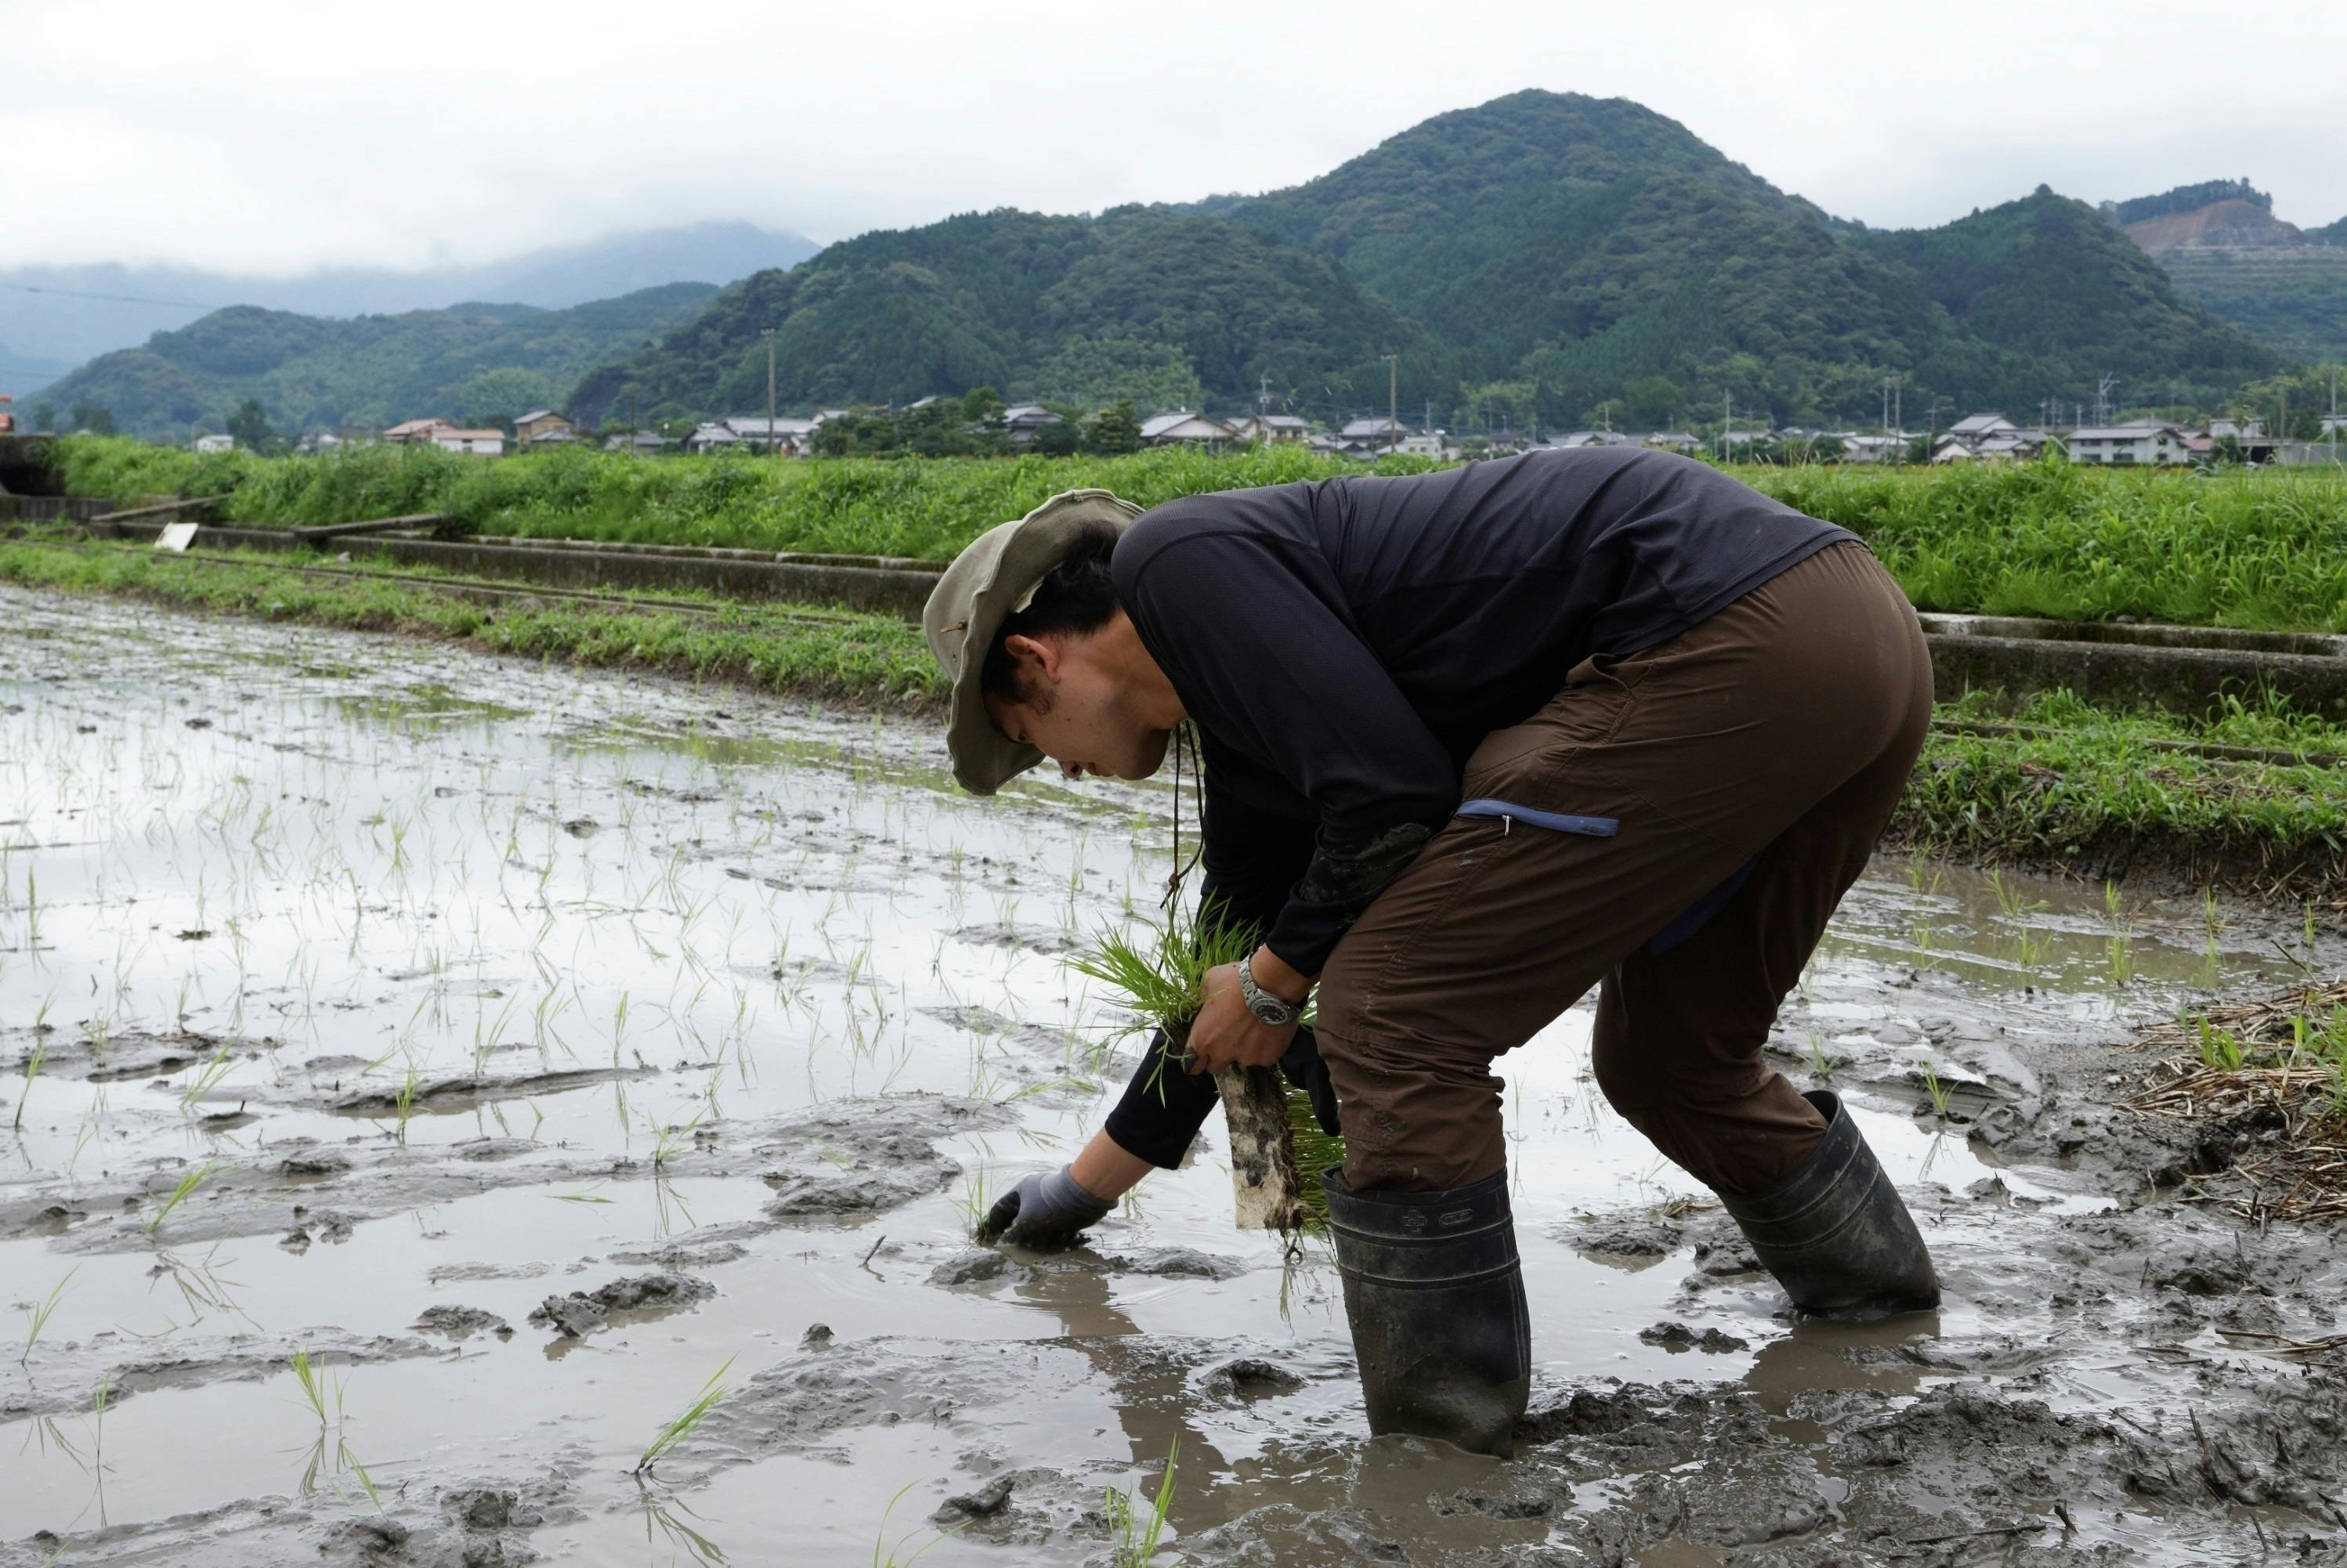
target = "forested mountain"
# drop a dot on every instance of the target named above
(71, 313)
(2044, 290)
(2220, 244)
(1544, 254)
(471, 362)
(1164, 307)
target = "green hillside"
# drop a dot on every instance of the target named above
(2292, 298)
(1542, 220)
(469, 362)
(1164, 307)
(1541, 255)
(2045, 291)
(1602, 251)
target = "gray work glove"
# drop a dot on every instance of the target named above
(1045, 1209)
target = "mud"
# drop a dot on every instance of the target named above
(506, 990)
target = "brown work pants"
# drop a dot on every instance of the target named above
(1767, 743)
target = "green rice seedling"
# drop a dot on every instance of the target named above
(98, 1408)
(2009, 900)
(1818, 1062)
(194, 1178)
(2307, 930)
(403, 1099)
(672, 1139)
(1937, 1090)
(974, 1202)
(320, 1389)
(1162, 980)
(2210, 920)
(590, 1196)
(2119, 956)
(2220, 1048)
(688, 1420)
(1134, 1537)
(37, 1315)
(359, 1472)
(887, 1556)
(201, 1081)
(34, 1062)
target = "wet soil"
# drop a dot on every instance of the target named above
(383, 996)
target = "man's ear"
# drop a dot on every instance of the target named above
(1031, 659)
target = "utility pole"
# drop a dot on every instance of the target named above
(1727, 422)
(769, 335)
(1262, 394)
(1900, 419)
(1393, 399)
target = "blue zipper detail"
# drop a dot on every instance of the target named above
(1554, 821)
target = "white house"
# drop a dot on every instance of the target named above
(1571, 440)
(408, 430)
(2238, 429)
(711, 435)
(1374, 433)
(1182, 427)
(784, 435)
(1271, 428)
(478, 443)
(1431, 444)
(1022, 421)
(2335, 424)
(215, 444)
(1980, 427)
(2137, 446)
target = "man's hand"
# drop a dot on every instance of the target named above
(1047, 1208)
(1225, 1035)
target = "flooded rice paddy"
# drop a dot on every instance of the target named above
(525, 1049)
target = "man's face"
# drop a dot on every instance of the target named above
(1076, 711)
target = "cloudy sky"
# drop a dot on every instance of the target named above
(273, 137)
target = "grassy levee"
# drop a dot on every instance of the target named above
(2058, 786)
(864, 660)
(2265, 550)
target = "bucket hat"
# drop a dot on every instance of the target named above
(994, 577)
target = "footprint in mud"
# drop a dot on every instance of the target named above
(581, 1313)
(463, 1322)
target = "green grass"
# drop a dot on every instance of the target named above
(2088, 790)
(2265, 549)
(873, 660)
(851, 506)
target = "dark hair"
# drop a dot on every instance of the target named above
(1078, 596)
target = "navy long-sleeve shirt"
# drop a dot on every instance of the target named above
(1343, 645)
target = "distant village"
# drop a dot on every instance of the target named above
(1979, 438)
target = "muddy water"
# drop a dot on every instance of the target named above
(386, 998)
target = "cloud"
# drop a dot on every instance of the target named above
(273, 138)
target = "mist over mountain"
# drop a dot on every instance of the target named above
(472, 362)
(62, 316)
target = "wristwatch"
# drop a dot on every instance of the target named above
(1266, 1007)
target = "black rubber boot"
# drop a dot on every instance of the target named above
(1835, 1233)
(1435, 1298)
